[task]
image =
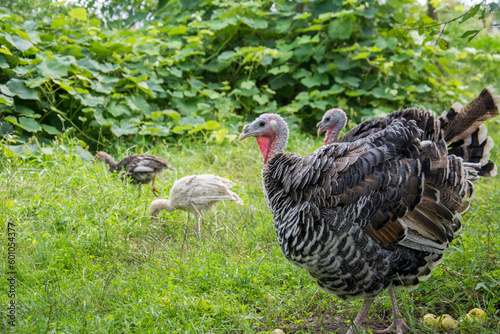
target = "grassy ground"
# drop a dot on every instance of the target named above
(89, 259)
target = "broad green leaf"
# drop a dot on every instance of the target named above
(91, 100)
(117, 109)
(341, 28)
(138, 103)
(90, 65)
(336, 89)
(5, 90)
(400, 57)
(98, 87)
(6, 100)
(325, 67)
(247, 84)
(143, 86)
(26, 111)
(261, 98)
(350, 80)
(53, 69)
(283, 25)
(210, 125)
(226, 55)
(211, 94)
(281, 69)
(3, 62)
(4, 50)
(99, 118)
(361, 55)
(12, 120)
(150, 49)
(171, 113)
(20, 43)
(51, 130)
(156, 130)
(78, 13)
(59, 21)
(357, 92)
(316, 80)
(266, 60)
(383, 93)
(302, 16)
(29, 124)
(178, 30)
(186, 106)
(392, 43)
(314, 27)
(19, 89)
(126, 128)
(175, 71)
(258, 23)
(320, 52)
(419, 88)
(369, 11)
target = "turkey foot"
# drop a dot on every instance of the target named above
(153, 188)
(398, 326)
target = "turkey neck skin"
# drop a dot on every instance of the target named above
(325, 239)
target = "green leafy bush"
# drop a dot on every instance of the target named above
(200, 66)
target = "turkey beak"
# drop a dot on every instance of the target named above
(321, 128)
(246, 133)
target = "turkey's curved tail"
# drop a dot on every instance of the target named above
(466, 134)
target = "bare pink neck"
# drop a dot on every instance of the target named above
(271, 146)
(332, 134)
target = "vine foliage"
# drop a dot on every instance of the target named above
(200, 67)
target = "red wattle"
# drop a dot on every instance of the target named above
(264, 143)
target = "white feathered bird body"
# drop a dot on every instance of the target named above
(196, 194)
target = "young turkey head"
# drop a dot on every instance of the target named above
(271, 133)
(333, 122)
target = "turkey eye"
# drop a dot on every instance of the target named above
(327, 119)
(261, 124)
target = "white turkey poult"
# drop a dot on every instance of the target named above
(377, 209)
(196, 194)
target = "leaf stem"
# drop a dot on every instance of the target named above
(446, 22)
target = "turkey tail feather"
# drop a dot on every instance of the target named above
(467, 135)
(468, 119)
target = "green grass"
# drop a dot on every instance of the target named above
(89, 259)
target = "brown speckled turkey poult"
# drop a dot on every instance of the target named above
(377, 209)
(196, 194)
(142, 169)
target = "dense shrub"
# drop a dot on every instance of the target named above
(201, 65)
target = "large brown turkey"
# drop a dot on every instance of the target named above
(142, 169)
(377, 209)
